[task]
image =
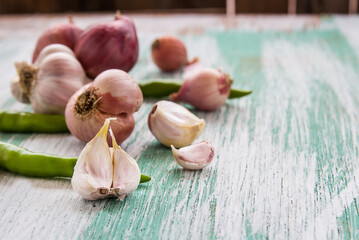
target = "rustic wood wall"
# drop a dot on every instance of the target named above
(242, 6)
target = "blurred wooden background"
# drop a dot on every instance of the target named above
(242, 6)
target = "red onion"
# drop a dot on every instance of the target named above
(63, 33)
(111, 45)
(113, 94)
(204, 88)
(170, 54)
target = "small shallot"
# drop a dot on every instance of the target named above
(169, 53)
(63, 33)
(110, 45)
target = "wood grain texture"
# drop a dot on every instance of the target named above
(286, 162)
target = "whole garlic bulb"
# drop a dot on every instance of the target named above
(173, 124)
(51, 81)
(205, 88)
(113, 93)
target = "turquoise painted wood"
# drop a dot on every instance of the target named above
(286, 157)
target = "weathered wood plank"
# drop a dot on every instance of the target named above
(286, 163)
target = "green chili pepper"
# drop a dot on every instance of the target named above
(163, 88)
(19, 160)
(25, 122)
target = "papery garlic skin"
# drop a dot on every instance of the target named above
(194, 157)
(204, 88)
(50, 82)
(17, 91)
(93, 172)
(172, 124)
(126, 173)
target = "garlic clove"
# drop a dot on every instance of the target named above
(173, 124)
(93, 171)
(204, 88)
(126, 173)
(194, 157)
(51, 49)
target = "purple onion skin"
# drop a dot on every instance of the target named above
(63, 33)
(111, 45)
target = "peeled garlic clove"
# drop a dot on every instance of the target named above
(93, 172)
(126, 173)
(204, 88)
(194, 157)
(173, 124)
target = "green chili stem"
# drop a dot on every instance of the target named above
(25, 122)
(163, 88)
(21, 161)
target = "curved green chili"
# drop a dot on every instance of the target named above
(19, 160)
(25, 122)
(163, 88)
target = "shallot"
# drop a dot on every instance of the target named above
(110, 45)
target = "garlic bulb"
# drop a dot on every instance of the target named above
(173, 124)
(194, 157)
(100, 173)
(52, 80)
(93, 171)
(126, 173)
(204, 88)
(113, 93)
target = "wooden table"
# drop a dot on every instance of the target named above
(286, 157)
